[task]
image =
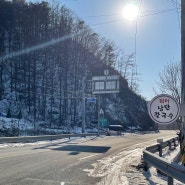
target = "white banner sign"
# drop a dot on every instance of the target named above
(164, 109)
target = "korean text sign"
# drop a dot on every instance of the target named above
(164, 109)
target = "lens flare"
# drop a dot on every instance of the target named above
(33, 48)
(131, 11)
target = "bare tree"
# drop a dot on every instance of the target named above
(170, 80)
(127, 68)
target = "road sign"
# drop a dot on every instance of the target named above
(103, 122)
(105, 84)
(164, 109)
(101, 111)
(91, 100)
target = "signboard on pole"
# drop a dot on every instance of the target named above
(164, 109)
(105, 84)
(103, 122)
(91, 100)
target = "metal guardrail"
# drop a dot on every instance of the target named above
(171, 169)
(25, 139)
(158, 147)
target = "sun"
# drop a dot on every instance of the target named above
(130, 11)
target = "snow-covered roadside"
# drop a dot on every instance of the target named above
(118, 169)
(64, 140)
(125, 168)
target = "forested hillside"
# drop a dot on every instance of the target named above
(47, 60)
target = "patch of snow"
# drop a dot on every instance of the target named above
(125, 168)
(47, 142)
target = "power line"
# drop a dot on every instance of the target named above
(141, 16)
(178, 13)
(146, 13)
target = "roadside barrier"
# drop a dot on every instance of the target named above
(170, 169)
(25, 139)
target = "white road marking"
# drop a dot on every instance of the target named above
(88, 156)
(62, 183)
(42, 180)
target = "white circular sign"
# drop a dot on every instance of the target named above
(164, 109)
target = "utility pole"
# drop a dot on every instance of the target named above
(83, 105)
(183, 61)
(98, 115)
(183, 51)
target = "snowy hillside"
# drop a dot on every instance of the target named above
(48, 59)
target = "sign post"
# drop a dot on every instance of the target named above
(104, 85)
(164, 109)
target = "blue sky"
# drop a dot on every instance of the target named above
(156, 43)
(157, 39)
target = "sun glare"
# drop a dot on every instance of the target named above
(130, 11)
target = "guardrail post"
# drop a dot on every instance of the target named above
(170, 180)
(160, 141)
(160, 150)
(171, 145)
(146, 167)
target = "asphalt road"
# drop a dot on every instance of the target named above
(63, 163)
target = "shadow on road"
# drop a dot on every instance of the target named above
(82, 148)
(75, 149)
